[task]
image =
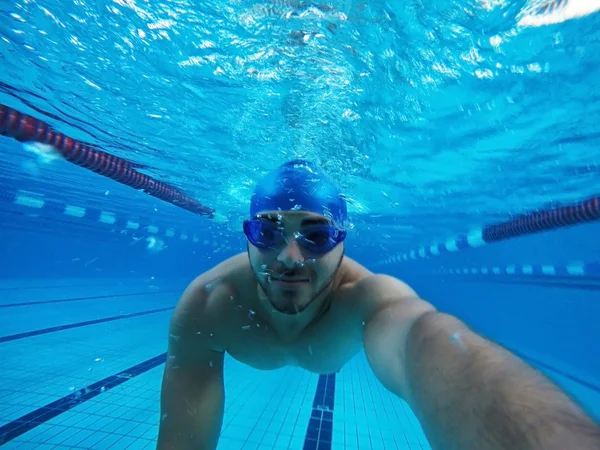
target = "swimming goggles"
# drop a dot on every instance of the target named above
(316, 239)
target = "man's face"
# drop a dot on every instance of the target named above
(288, 272)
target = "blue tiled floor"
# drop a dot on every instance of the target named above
(96, 385)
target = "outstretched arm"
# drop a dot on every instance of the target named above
(467, 392)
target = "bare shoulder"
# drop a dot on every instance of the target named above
(383, 288)
(373, 292)
(201, 312)
(364, 283)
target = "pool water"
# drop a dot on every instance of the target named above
(463, 134)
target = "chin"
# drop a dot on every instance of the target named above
(290, 301)
(290, 309)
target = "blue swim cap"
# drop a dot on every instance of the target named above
(299, 185)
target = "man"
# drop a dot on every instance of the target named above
(295, 299)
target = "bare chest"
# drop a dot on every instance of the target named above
(322, 349)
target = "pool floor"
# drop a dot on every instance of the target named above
(82, 366)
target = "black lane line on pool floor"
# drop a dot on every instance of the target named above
(29, 421)
(14, 337)
(319, 432)
(94, 297)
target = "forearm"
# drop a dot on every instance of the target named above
(191, 426)
(472, 394)
(191, 409)
(201, 432)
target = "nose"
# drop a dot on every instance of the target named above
(291, 254)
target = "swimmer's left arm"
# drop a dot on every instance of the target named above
(467, 392)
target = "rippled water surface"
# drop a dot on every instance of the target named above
(432, 115)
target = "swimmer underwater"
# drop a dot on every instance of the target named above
(294, 299)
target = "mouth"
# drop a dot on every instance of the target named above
(289, 281)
